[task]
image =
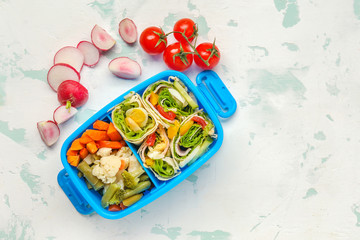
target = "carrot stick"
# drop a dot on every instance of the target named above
(123, 143)
(123, 164)
(85, 139)
(122, 206)
(114, 208)
(97, 135)
(76, 145)
(83, 153)
(113, 134)
(109, 144)
(73, 160)
(91, 147)
(72, 153)
(100, 125)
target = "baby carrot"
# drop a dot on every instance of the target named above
(109, 144)
(114, 208)
(113, 134)
(73, 160)
(83, 153)
(100, 125)
(72, 153)
(85, 139)
(97, 135)
(91, 147)
(76, 145)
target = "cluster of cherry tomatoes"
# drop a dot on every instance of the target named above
(180, 55)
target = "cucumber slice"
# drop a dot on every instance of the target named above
(187, 97)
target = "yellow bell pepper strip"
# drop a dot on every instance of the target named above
(172, 130)
(184, 128)
(154, 98)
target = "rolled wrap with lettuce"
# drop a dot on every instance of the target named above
(155, 154)
(195, 135)
(132, 120)
(169, 101)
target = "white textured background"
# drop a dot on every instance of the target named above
(289, 165)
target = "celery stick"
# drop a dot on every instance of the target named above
(133, 199)
(87, 171)
(187, 97)
(113, 188)
(142, 186)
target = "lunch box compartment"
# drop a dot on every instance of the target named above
(212, 96)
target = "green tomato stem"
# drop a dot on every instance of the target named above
(193, 47)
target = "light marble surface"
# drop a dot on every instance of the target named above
(289, 165)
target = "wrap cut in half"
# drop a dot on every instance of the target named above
(169, 101)
(155, 154)
(132, 120)
(195, 135)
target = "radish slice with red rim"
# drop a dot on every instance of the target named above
(49, 132)
(70, 55)
(101, 39)
(90, 52)
(128, 30)
(63, 113)
(124, 67)
(61, 72)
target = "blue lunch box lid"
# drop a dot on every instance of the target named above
(212, 96)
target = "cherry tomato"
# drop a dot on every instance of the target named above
(168, 115)
(188, 26)
(151, 140)
(178, 56)
(153, 40)
(200, 121)
(205, 50)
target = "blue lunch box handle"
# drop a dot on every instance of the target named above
(216, 93)
(79, 202)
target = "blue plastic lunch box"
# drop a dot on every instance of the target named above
(212, 96)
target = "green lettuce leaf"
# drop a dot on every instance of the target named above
(163, 169)
(167, 101)
(192, 137)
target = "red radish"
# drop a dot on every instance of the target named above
(49, 132)
(71, 56)
(101, 39)
(90, 52)
(128, 30)
(73, 92)
(64, 113)
(124, 67)
(61, 72)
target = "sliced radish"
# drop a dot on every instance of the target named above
(90, 52)
(128, 30)
(70, 55)
(101, 39)
(49, 132)
(61, 72)
(124, 67)
(64, 113)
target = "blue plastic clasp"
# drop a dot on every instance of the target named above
(216, 93)
(79, 202)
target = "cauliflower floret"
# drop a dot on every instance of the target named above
(124, 152)
(134, 165)
(106, 168)
(103, 152)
